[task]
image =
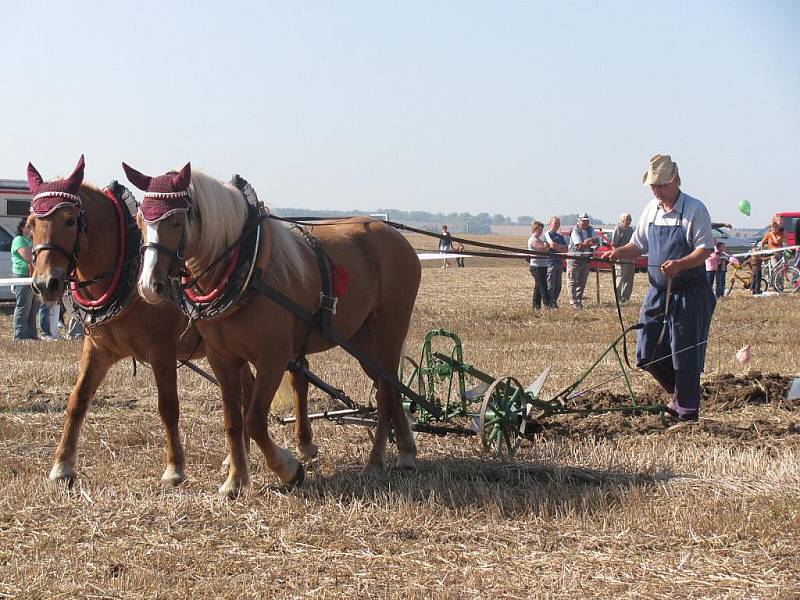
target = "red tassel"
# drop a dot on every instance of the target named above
(341, 279)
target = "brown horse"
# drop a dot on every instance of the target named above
(77, 227)
(201, 217)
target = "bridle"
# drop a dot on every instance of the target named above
(71, 255)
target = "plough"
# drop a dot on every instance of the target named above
(498, 410)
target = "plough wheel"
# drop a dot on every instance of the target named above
(503, 417)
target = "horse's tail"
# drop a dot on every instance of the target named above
(283, 400)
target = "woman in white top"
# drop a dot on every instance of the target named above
(536, 242)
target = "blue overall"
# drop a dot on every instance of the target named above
(687, 320)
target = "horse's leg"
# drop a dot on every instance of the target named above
(303, 434)
(94, 366)
(386, 346)
(167, 383)
(246, 377)
(228, 374)
(279, 460)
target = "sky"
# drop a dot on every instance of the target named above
(519, 108)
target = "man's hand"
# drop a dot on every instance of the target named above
(672, 268)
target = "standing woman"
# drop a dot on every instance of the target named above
(539, 266)
(26, 303)
(675, 231)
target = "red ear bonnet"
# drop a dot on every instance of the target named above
(50, 196)
(163, 195)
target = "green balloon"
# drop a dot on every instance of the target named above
(744, 207)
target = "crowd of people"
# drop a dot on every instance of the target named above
(547, 271)
(28, 309)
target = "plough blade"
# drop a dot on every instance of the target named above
(536, 387)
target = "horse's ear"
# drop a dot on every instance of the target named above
(139, 180)
(34, 179)
(181, 181)
(76, 178)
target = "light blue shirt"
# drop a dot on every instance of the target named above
(696, 222)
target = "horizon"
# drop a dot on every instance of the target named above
(510, 108)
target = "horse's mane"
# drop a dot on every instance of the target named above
(223, 212)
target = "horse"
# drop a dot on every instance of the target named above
(192, 218)
(78, 234)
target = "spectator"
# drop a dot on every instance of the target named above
(773, 240)
(555, 264)
(458, 247)
(581, 241)
(445, 245)
(716, 267)
(625, 270)
(26, 302)
(536, 243)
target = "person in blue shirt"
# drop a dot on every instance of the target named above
(555, 264)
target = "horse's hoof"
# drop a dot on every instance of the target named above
(173, 476)
(232, 488)
(63, 473)
(309, 450)
(298, 478)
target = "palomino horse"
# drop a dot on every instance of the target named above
(77, 227)
(196, 218)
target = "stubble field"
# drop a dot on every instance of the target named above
(604, 506)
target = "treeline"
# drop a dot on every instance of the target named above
(456, 222)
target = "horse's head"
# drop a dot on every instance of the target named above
(57, 223)
(162, 218)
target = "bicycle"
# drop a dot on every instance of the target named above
(785, 277)
(743, 275)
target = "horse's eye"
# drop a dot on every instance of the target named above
(70, 222)
(177, 224)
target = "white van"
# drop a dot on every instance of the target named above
(15, 203)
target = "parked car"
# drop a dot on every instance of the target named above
(605, 246)
(5, 263)
(733, 244)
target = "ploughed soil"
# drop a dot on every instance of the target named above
(727, 410)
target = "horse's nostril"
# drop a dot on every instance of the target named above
(52, 284)
(159, 288)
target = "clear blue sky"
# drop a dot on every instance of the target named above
(513, 107)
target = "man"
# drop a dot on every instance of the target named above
(675, 231)
(445, 245)
(581, 241)
(626, 269)
(555, 264)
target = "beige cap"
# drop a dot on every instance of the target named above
(662, 170)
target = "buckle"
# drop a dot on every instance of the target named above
(328, 303)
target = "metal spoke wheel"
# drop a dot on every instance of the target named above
(786, 281)
(503, 417)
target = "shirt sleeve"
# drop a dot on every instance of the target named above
(574, 237)
(639, 237)
(699, 230)
(530, 242)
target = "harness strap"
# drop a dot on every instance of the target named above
(290, 305)
(327, 302)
